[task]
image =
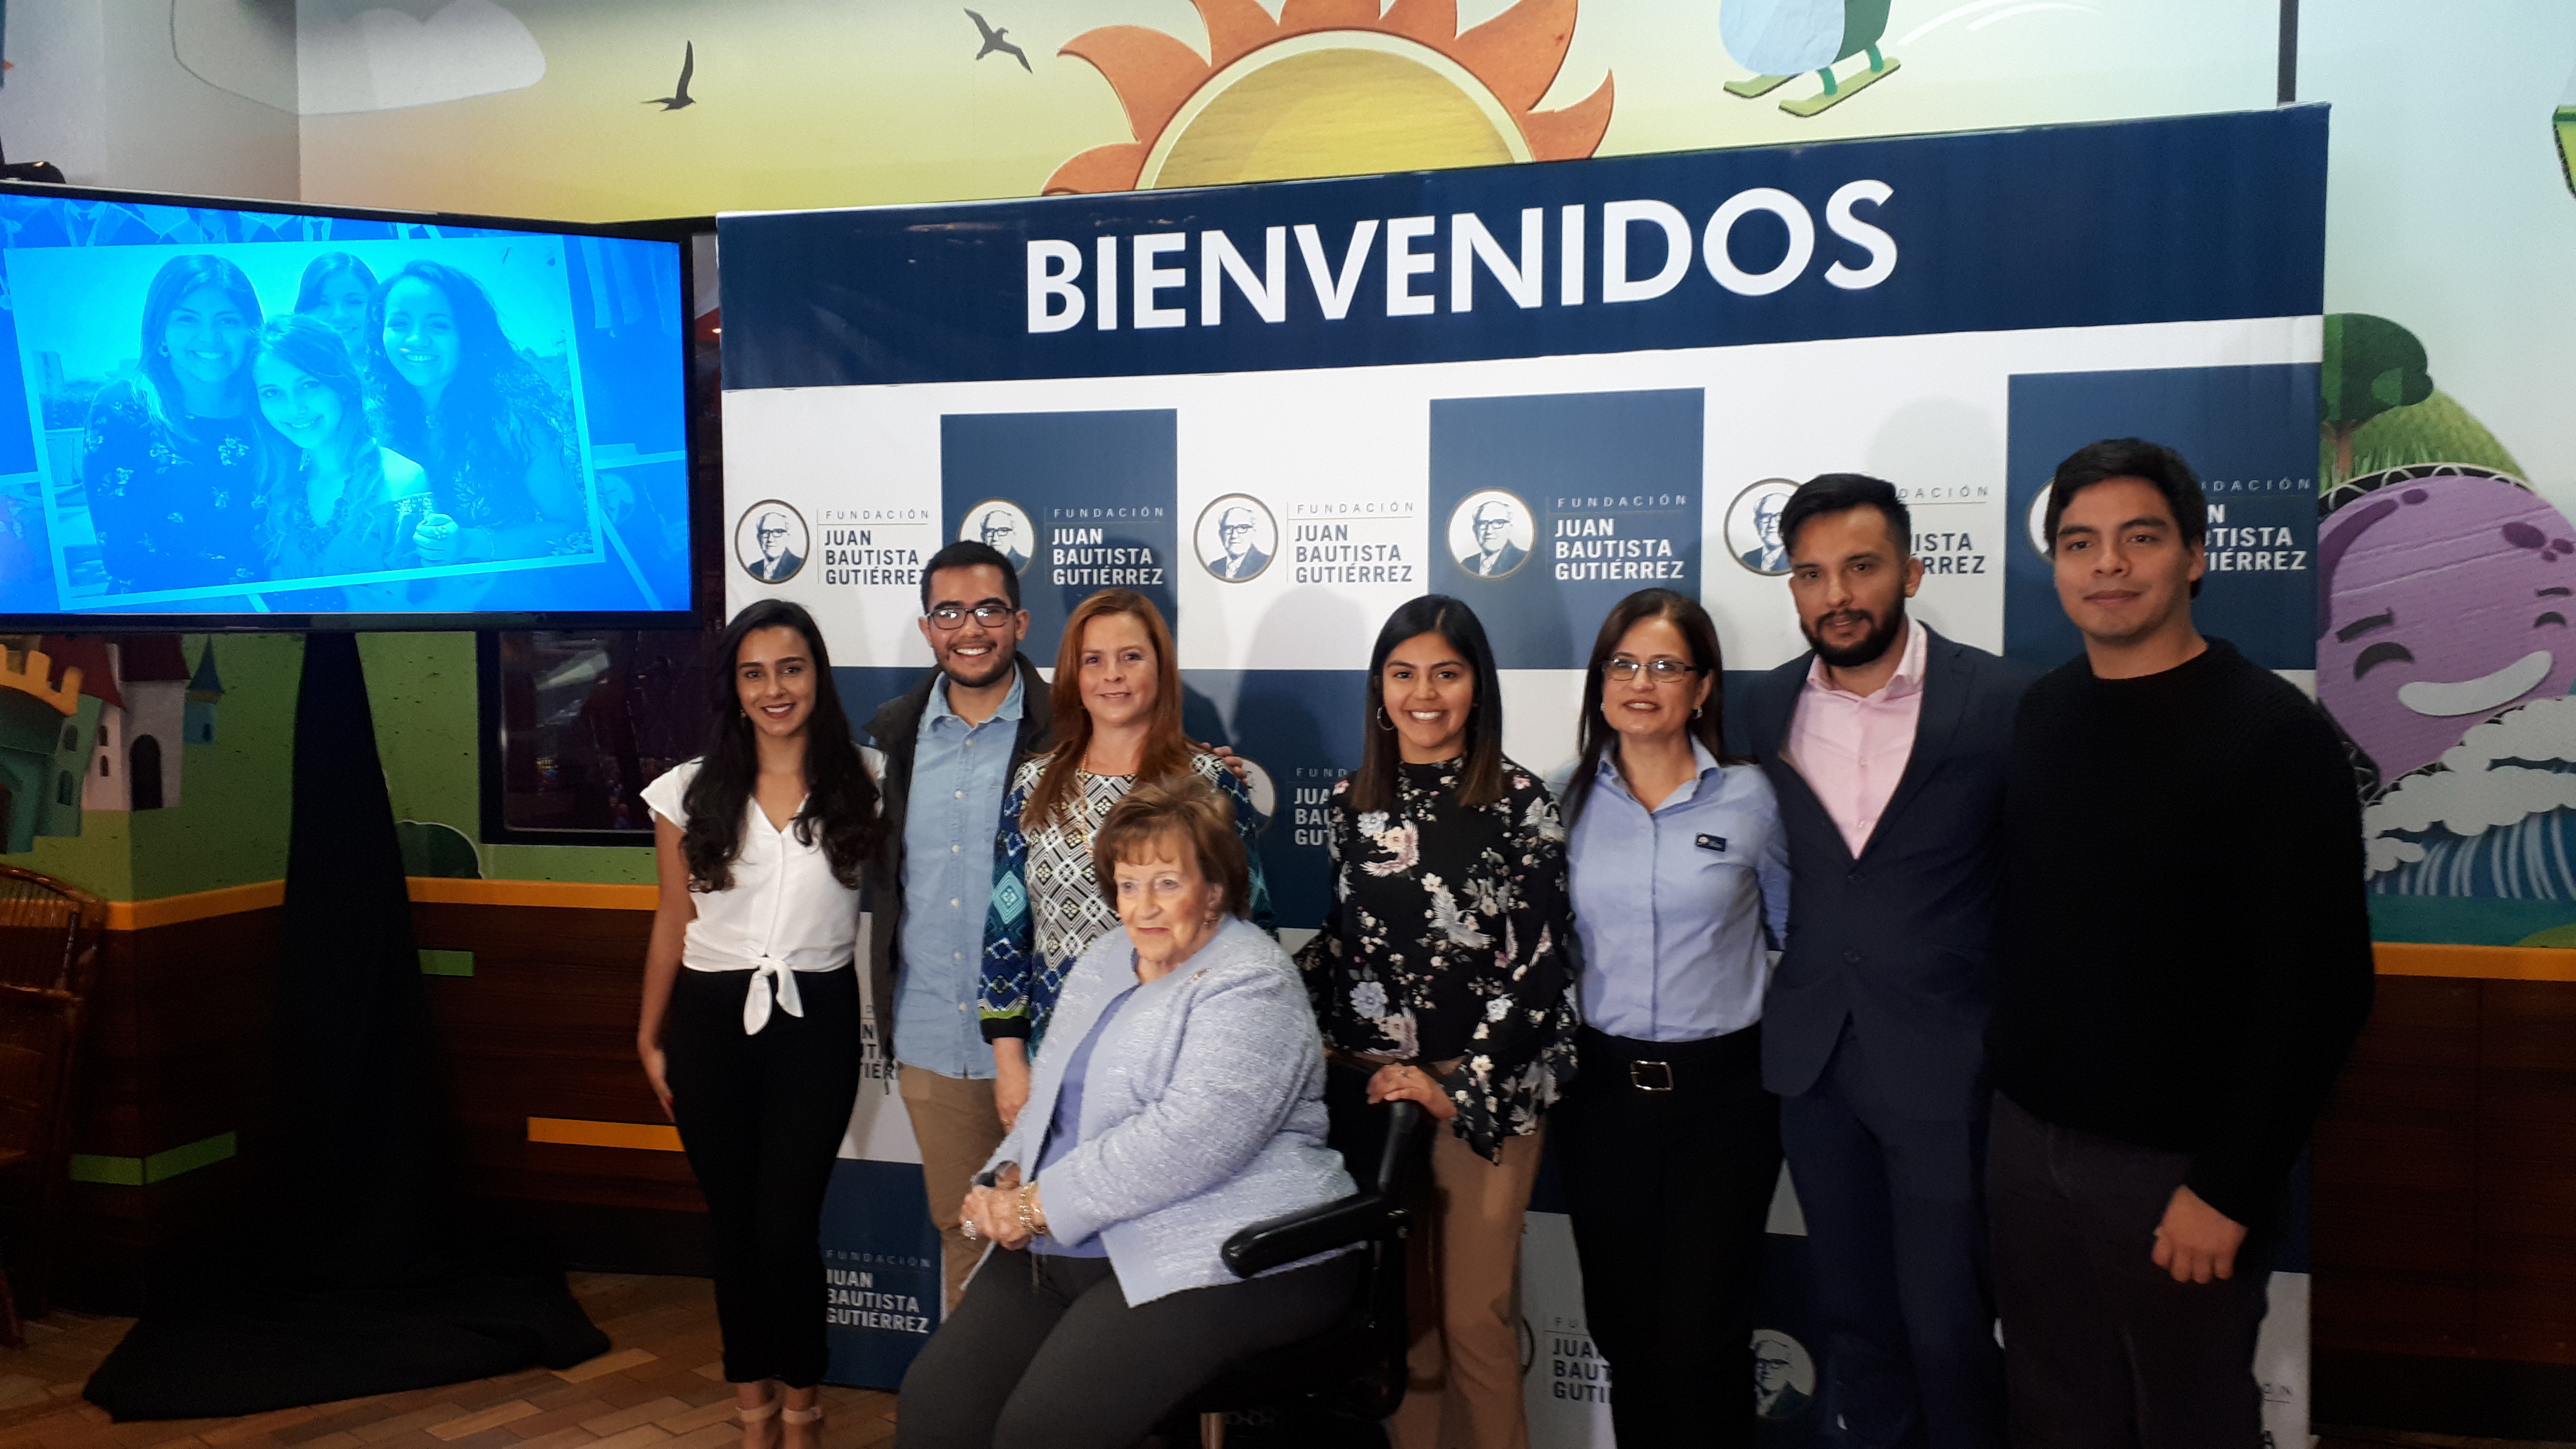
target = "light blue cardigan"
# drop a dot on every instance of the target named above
(1203, 1111)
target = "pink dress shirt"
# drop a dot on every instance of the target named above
(1851, 748)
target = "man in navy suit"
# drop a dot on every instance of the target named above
(1886, 744)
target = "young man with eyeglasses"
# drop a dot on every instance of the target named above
(950, 744)
(2186, 963)
(1887, 745)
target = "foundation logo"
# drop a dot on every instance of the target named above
(770, 541)
(1236, 538)
(1784, 1378)
(2039, 520)
(1004, 526)
(1491, 533)
(1753, 526)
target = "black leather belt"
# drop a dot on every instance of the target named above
(1657, 1066)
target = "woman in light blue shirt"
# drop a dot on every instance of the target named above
(1669, 1145)
(1180, 1100)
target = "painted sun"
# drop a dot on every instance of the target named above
(1333, 88)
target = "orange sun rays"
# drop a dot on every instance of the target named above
(1516, 55)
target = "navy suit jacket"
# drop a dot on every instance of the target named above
(1900, 942)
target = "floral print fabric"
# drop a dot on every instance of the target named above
(1445, 940)
(173, 508)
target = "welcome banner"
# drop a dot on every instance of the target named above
(1281, 410)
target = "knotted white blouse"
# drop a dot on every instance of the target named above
(785, 913)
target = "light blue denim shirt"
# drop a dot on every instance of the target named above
(959, 774)
(1671, 906)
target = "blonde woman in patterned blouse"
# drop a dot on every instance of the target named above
(1117, 704)
(1441, 977)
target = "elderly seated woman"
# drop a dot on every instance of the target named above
(1179, 1098)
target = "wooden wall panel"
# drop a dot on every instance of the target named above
(2526, 1183)
(178, 1048)
(545, 1027)
(2395, 1163)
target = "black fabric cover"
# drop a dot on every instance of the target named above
(355, 1279)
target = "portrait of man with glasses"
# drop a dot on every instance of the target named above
(1491, 550)
(772, 549)
(1000, 526)
(1233, 549)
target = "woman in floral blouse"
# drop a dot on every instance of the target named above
(1117, 703)
(1440, 977)
(171, 459)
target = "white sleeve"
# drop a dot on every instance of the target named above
(668, 789)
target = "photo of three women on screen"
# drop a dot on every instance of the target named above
(382, 424)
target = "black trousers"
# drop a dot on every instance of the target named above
(1669, 1192)
(1896, 1244)
(762, 1119)
(2102, 1348)
(1045, 1353)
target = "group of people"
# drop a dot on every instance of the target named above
(2036, 983)
(381, 425)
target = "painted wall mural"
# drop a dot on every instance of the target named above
(94, 724)
(1334, 88)
(806, 103)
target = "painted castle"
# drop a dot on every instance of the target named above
(88, 723)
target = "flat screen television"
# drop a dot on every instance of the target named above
(237, 416)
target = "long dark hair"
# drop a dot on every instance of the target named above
(319, 272)
(493, 417)
(1594, 735)
(1167, 750)
(310, 346)
(170, 286)
(840, 798)
(1480, 782)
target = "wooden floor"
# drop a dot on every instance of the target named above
(2392, 1439)
(659, 1386)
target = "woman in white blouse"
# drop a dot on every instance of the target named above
(750, 1029)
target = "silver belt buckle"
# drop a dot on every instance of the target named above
(1643, 1075)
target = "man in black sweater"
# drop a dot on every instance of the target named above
(2186, 963)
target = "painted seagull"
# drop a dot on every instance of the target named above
(681, 97)
(993, 41)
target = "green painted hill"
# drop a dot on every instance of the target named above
(2436, 430)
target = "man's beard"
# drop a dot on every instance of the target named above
(1002, 658)
(1869, 650)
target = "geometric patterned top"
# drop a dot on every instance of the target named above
(1047, 909)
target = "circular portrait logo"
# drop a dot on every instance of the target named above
(769, 541)
(2039, 519)
(1753, 526)
(1006, 527)
(1237, 538)
(1491, 533)
(1784, 1377)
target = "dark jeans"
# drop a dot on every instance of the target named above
(1045, 1353)
(2104, 1349)
(1896, 1240)
(1668, 1192)
(762, 1118)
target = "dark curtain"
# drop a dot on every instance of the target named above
(356, 1279)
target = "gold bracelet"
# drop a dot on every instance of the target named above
(1030, 1220)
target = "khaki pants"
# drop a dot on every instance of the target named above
(954, 1121)
(1464, 1389)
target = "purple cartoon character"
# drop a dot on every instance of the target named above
(2446, 623)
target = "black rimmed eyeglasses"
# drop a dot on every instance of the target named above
(991, 613)
(1662, 671)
